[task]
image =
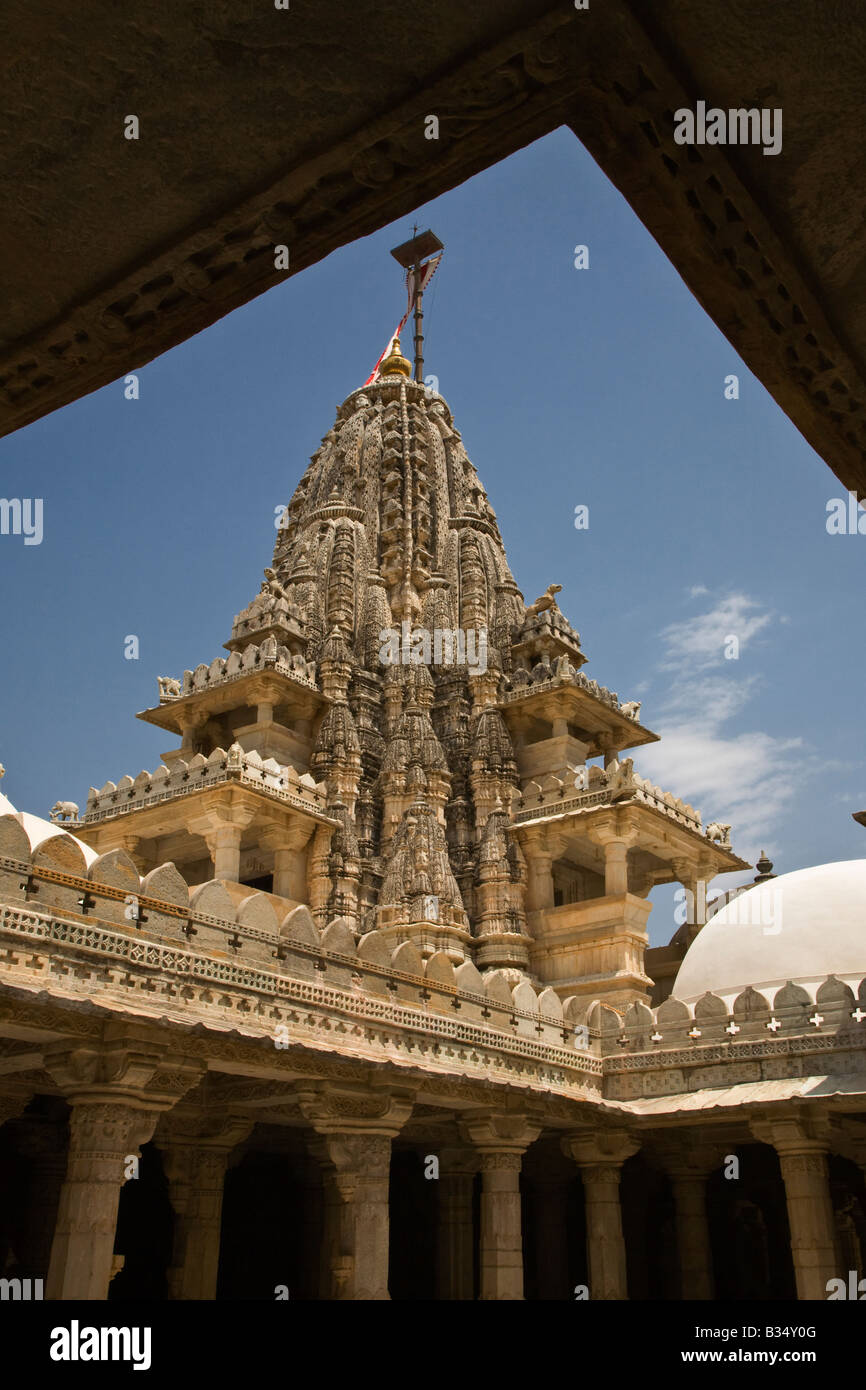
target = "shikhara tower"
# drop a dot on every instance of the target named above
(452, 806)
(369, 911)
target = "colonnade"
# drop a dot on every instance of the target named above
(350, 1138)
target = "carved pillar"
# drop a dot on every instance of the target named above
(454, 1265)
(693, 1235)
(225, 849)
(197, 1156)
(501, 1141)
(616, 835)
(356, 1130)
(192, 723)
(693, 878)
(615, 867)
(222, 829)
(600, 1156)
(605, 743)
(803, 1160)
(115, 1097)
(102, 1135)
(539, 855)
(290, 858)
(688, 1167)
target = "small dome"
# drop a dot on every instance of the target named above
(801, 927)
(38, 831)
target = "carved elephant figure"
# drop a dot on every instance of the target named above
(720, 834)
(64, 810)
(167, 686)
(631, 709)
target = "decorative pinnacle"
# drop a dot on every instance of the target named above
(395, 364)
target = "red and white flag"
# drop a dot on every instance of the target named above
(427, 273)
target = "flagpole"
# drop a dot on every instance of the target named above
(410, 255)
(419, 319)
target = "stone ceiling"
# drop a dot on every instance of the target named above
(262, 126)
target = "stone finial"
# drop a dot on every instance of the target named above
(765, 869)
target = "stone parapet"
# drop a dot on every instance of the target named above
(200, 773)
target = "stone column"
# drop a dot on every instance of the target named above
(289, 845)
(362, 1167)
(803, 1161)
(600, 1156)
(693, 878)
(539, 856)
(615, 867)
(605, 742)
(102, 1135)
(195, 1165)
(356, 1130)
(116, 1089)
(693, 1234)
(222, 830)
(454, 1265)
(688, 1162)
(225, 848)
(191, 722)
(616, 833)
(501, 1140)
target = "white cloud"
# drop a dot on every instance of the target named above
(699, 643)
(698, 590)
(746, 777)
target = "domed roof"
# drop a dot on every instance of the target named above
(38, 830)
(801, 926)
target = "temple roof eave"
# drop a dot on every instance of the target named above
(683, 841)
(232, 693)
(565, 700)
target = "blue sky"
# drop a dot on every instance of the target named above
(602, 387)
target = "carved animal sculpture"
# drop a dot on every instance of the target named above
(547, 600)
(64, 810)
(718, 833)
(631, 709)
(167, 686)
(272, 585)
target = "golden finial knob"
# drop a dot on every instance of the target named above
(395, 364)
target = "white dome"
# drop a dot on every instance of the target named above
(39, 830)
(801, 927)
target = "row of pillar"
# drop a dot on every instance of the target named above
(353, 1140)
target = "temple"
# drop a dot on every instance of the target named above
(351, 997)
